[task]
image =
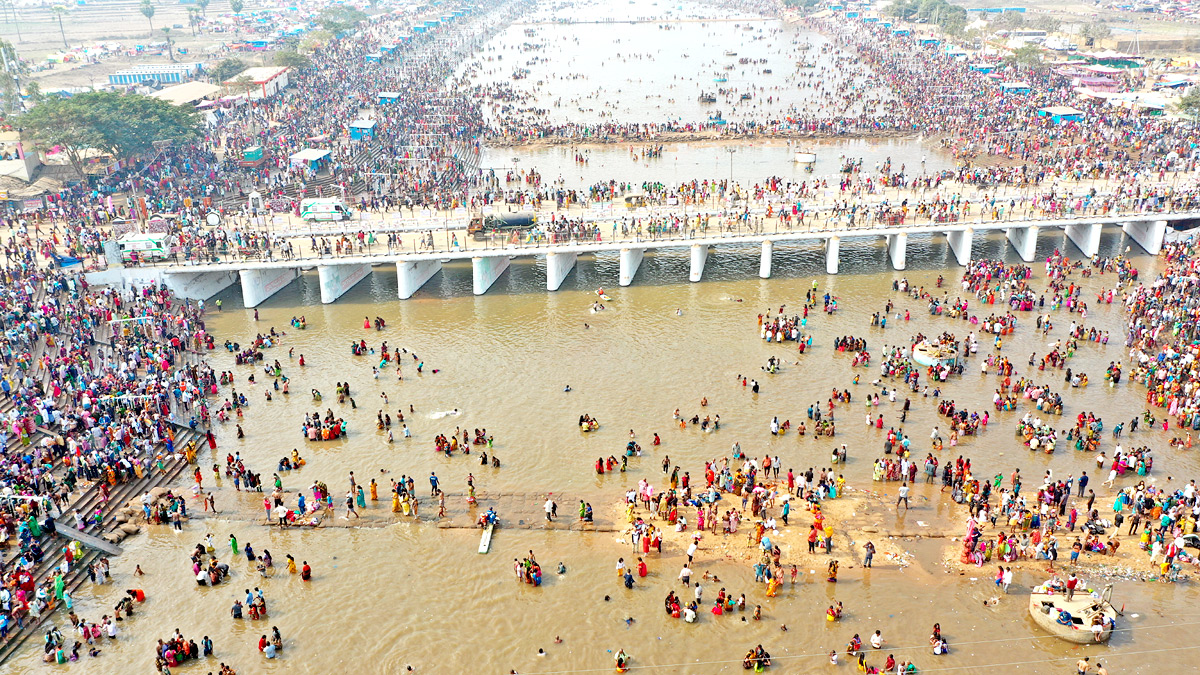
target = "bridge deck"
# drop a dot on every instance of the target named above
(471, 249)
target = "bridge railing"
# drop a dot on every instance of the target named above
(729, 227)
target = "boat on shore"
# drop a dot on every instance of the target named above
(1073, 620)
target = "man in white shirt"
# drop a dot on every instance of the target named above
(685, 575)
(549, 506)
(903, 496)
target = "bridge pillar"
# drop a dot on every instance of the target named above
(1024, 240)
(260, 284)
(1086, 237)
(631, 260)
(485, 271)
(699, 257)
(960, 244)
(1149, 235)
(897, 245)
(411, 276)
(337, 279)
(199, 286)
(832, 245)
(558, 266)
(764, 265)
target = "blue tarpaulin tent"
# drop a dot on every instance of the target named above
(362, 130)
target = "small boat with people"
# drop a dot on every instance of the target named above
(928, 354)
(1087, 617)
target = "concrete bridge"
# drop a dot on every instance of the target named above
(260, 279)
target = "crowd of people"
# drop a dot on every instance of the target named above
(101, 381)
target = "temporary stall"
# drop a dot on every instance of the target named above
(311, 158)
(361, 130)
(1061, 113)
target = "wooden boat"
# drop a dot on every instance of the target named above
(485, 541)
(805, 157)
(928, 355)
(1046, 606)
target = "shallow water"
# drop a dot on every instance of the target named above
(750, 164)
(654, 72)
(416, 594)
(383, 598)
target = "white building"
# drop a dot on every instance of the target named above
(16, 159)
(267, 81)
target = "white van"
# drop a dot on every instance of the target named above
(330, 208)
(151, 246)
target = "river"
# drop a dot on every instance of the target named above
(417, 594)
(386, 597)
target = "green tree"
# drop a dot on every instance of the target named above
(34, 91)
(66, 123)
(1049, 24)
(904, 9)
(166, 31)
(59, 11)
(292, 59)
(1096, 30)
(236, 6)
(340, 19)
(1026, 57)
(124, 126)
(955, 23)
(952, 18)
(203, 5)
(1189, 105)
(11, 69)
(244, 84)
(314, 40)
(1010, 20)
(227, 69)
(193, 19)
(147, 10)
